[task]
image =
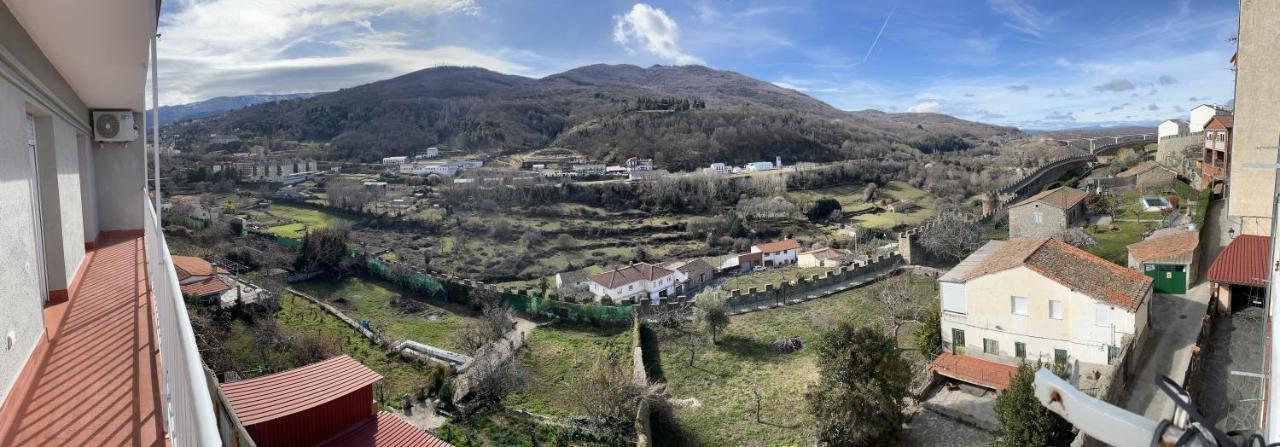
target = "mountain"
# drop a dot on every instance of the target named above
(214, 106)
(683, 117)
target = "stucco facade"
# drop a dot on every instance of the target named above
(58, 190)
(983, 309)
(1257, 131)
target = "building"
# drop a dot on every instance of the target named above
(647, 175)
(697, 273)
(1238, 276)
(822, 257)
(198, 278)
(718, 168)
(615, 170)
(901, 206)
(777, 253)
(431, 152)
(259, 169)
(1214, 165)
(573, 278)
(1172, 128)
(395, 161)
(635, 164)
(760, 166)
(1201, 114)
(1041, 299)
(1169, 257)
(1149, 176)
(327, 403)
(1257, 103)
(589, 169)
(1046, 214)
(635, 283)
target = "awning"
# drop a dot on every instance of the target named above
(1243, 262)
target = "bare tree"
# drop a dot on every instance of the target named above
(607, 393)
(952, 233)
(493, 377)
(896, 297)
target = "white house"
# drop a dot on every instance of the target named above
(778, 253)
(1201, 114)
(760, 166)
(636, 282)
(1172, 128)
(589, 169)
(1041, 299)
(398, 160)
(822, 257)
(432, 152)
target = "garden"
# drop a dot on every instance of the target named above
(393, 311)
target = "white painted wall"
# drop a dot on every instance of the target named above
(119, 176)
(640, 289)
(988, 314)
(1200, 116)
(1172, 128)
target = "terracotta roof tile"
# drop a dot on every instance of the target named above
(1163, 246)
(287, 392)
(188, 266)
(1070, 266)
(385, 429)
(973, 370)
(1061, 198)
(1243, 262)
(824, 253)
(1223, 122)
(777, 246)
(626, 275)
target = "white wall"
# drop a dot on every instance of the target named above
(118, 176)
(71, 210)
(1200, 116)
(1171, 128)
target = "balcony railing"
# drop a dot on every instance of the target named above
(189, 415)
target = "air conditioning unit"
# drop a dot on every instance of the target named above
(114, 126)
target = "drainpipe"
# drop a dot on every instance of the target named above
(155, 121)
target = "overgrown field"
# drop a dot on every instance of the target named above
(720, 382)
(302, 219)
(555, 357)
(390, 309)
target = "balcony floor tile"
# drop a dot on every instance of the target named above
(97, 380)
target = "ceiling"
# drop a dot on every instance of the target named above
(101, 47)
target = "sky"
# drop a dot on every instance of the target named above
(1030, 64)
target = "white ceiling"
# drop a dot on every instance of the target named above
(99, 46)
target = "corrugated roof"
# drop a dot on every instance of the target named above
(287, 392)
(207, 286)
(1061, 197)
(385, 430)
(777, 246)
(1067, 265)
(1163, 246)
(626, 275)
(973, 370)
(1243, 262)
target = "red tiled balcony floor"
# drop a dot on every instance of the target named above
(97, 380)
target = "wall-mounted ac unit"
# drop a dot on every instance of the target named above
(114, 126)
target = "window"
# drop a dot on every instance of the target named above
(1055, 309)
(1019, 305)
(1020, 349)
(990, 346)
(1222, 136)
(1208, 136)
(1037, 217)
(1102, 315)
(1060, 356)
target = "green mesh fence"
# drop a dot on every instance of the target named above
(290, 243)
(586, 313)
(404, 277)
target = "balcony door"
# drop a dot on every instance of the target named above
(37, 224)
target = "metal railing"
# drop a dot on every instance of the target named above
(189, 416)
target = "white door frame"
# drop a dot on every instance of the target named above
(37, 221)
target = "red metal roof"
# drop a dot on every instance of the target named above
(385, 430)
(287, 392)
(973, 370)
(1243, 262)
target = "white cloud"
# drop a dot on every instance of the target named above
(925, 107)
(653, 30)
(1022, 17)
(234, 47)
(790, 86)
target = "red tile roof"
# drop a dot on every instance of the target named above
(1243, 262)
(824, 253)
(188, 266)
(1164, 246)
(626, 275)
(1223, 121)
(205, 287)
(287, 392)
(973, 370)
(384, 430)
(777, 246)
(1060, 197)
(1078, 269)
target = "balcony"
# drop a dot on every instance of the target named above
(120, 365)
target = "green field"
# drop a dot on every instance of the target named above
(1112, 244)
(298, 317)
(722, 377)
(303, 219)
(555, 356)
(388, 309)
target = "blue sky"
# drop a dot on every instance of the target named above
(1046, 64)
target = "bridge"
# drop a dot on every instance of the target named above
(1107, 143)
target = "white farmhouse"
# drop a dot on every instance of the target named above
(636, 282)
(778, 253)
(1043, 299)
(1172, 128)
